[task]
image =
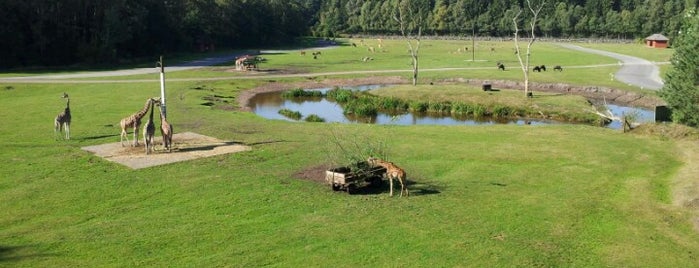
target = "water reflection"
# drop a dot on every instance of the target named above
(268, 105)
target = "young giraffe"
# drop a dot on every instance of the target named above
(149, 131)
(133, 121)
(165, 129)
(62, 120)
(392, 172)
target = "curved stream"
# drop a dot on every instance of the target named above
(268, 105)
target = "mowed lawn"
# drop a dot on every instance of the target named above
(481, 196)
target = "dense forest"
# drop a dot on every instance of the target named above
(60, 32)
(623, 19)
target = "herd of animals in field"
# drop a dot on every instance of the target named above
(372, 49)
(62, 125)
(133, 121)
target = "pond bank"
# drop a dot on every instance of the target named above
(592, 92)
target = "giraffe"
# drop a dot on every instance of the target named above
(165, 129)
(133, 121)
(62, 120)
(149, 131)
(392, 172)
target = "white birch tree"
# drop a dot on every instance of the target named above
(535, 9)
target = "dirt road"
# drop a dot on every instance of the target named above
(634, 71)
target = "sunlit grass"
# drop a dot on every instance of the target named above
(481, 196)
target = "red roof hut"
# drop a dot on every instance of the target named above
(657, 41)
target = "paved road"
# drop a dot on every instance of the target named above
(634, 71)
(185, 66)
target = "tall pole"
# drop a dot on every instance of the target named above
(162, 86)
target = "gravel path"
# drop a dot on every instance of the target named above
(634, 71)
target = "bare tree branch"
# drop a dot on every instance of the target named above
(405, 11)
(524, 63)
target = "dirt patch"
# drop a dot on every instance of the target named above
(186, 146)
(611, 95)
(314, 173)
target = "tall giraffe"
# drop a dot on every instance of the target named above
(165, 129)
(149, 130)
(133, 121)
(392, 172)
(62, 120)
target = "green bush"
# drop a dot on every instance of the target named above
(361, 106)
(439, 107)
(340, 95)
(392, 104)
(479, 110)
(460, 108)
(314, 118)
(418, 106)
(295, 115)
(501, 111)
(299, 92)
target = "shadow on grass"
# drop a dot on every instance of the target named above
(209, 147)
(99, 137)
(16, 253)
(414, 188)
(265, 142)
(227, 143)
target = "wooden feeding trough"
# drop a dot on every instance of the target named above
(352, 178)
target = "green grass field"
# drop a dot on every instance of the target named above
(481, 196)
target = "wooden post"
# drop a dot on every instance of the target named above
(162, 86)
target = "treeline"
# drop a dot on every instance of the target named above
(59, 32)
(625, 19)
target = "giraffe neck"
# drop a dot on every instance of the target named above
(382, 163)
(151, 111)
(143, 111)
(162, 115)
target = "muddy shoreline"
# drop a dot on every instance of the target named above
(614, 96)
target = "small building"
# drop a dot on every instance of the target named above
(657, 41)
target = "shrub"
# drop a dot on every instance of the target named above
(361, 106)
(299, 92)
(340, 95)
(439, 107)
(501, 111)
(460, 108)
(479, 110)
(314, 118)
(295, 115)
(392, 104)
(418, 106)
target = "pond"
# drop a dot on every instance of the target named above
(268, 105)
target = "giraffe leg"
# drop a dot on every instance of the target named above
(390, 182)
(124, 135)
(67, 128)
(56, 130)
(403, 187)
(135, 137)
